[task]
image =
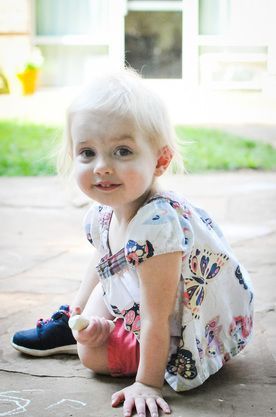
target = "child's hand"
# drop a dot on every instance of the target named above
(95, 334)
(75, 311)
(141, 397)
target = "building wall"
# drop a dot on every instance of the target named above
(15, 35)
(254, 22)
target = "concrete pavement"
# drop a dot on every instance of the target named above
(43, 255)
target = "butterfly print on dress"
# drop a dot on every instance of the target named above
(131, 316)
(240, 330)
(241, 280)
(135, 253)
(182, 362)
(204, 266)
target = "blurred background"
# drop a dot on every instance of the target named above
(213, 61)
(225, 44)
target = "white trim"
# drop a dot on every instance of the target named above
(32, 19)
(214, 40)
(117, 12)
(70, 40)
(235, 57)
(155, 5)
(224, 15)
(190, 56)
(233, 85)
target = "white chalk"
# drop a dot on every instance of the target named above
(79, 322)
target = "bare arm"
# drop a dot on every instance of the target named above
(159, 279)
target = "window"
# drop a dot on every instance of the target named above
(213, 16)
(232, 53)
(72, 17)
(233, 67)
(73, 37)
(153, 38)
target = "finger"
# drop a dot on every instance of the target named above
(102, 338)
(105, 327)
(94, 328)
(163, 405)
(117, 398)
(140, 407)
(128, 407)
(75, 311)
(152, 406)
(102, 331)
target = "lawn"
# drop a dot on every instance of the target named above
(28, 149)
(208, 149)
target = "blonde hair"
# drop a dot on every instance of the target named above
(124, 94)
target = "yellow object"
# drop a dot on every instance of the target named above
(28, 79)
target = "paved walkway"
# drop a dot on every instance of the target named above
(43, 255)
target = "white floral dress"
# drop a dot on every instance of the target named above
(213, 313)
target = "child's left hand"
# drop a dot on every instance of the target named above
(141, 397)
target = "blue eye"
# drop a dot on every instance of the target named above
(122, 151)
(87, 153)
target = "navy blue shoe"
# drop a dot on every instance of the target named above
(50, 337)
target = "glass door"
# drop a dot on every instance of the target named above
(153, 38)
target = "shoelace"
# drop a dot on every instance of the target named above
(57, 315)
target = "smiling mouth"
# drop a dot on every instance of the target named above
(106, 187)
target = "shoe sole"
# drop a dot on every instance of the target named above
(68, 350)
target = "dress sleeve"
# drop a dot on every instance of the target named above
(157, 228)
(91, 225)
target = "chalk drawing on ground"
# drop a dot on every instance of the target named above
(14, 402)
(71, 403)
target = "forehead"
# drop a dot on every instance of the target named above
(87, 125)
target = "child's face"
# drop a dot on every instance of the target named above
(114, 164)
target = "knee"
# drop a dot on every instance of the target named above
(85, 356)
(93, 359)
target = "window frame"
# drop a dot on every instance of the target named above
(192, 41)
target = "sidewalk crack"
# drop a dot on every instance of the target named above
(41, 375)
(42, 261)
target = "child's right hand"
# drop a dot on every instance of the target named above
(95, 334)
(140, 397)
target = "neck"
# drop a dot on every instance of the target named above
(124, 214)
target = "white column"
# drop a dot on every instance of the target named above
(269, 82)
(117, 12)
(190, 60)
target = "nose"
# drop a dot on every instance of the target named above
(103, 166)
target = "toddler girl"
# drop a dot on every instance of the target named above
(161, 268)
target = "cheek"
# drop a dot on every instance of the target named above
(138, 178)
(82, 175)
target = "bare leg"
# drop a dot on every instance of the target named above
(95, 305)
(92, 342)
(89, 282)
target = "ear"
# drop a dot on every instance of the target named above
(163, 161)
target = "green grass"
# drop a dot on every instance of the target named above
(27, 149)
(208, 149)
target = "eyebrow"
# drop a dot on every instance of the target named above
(123, 137)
